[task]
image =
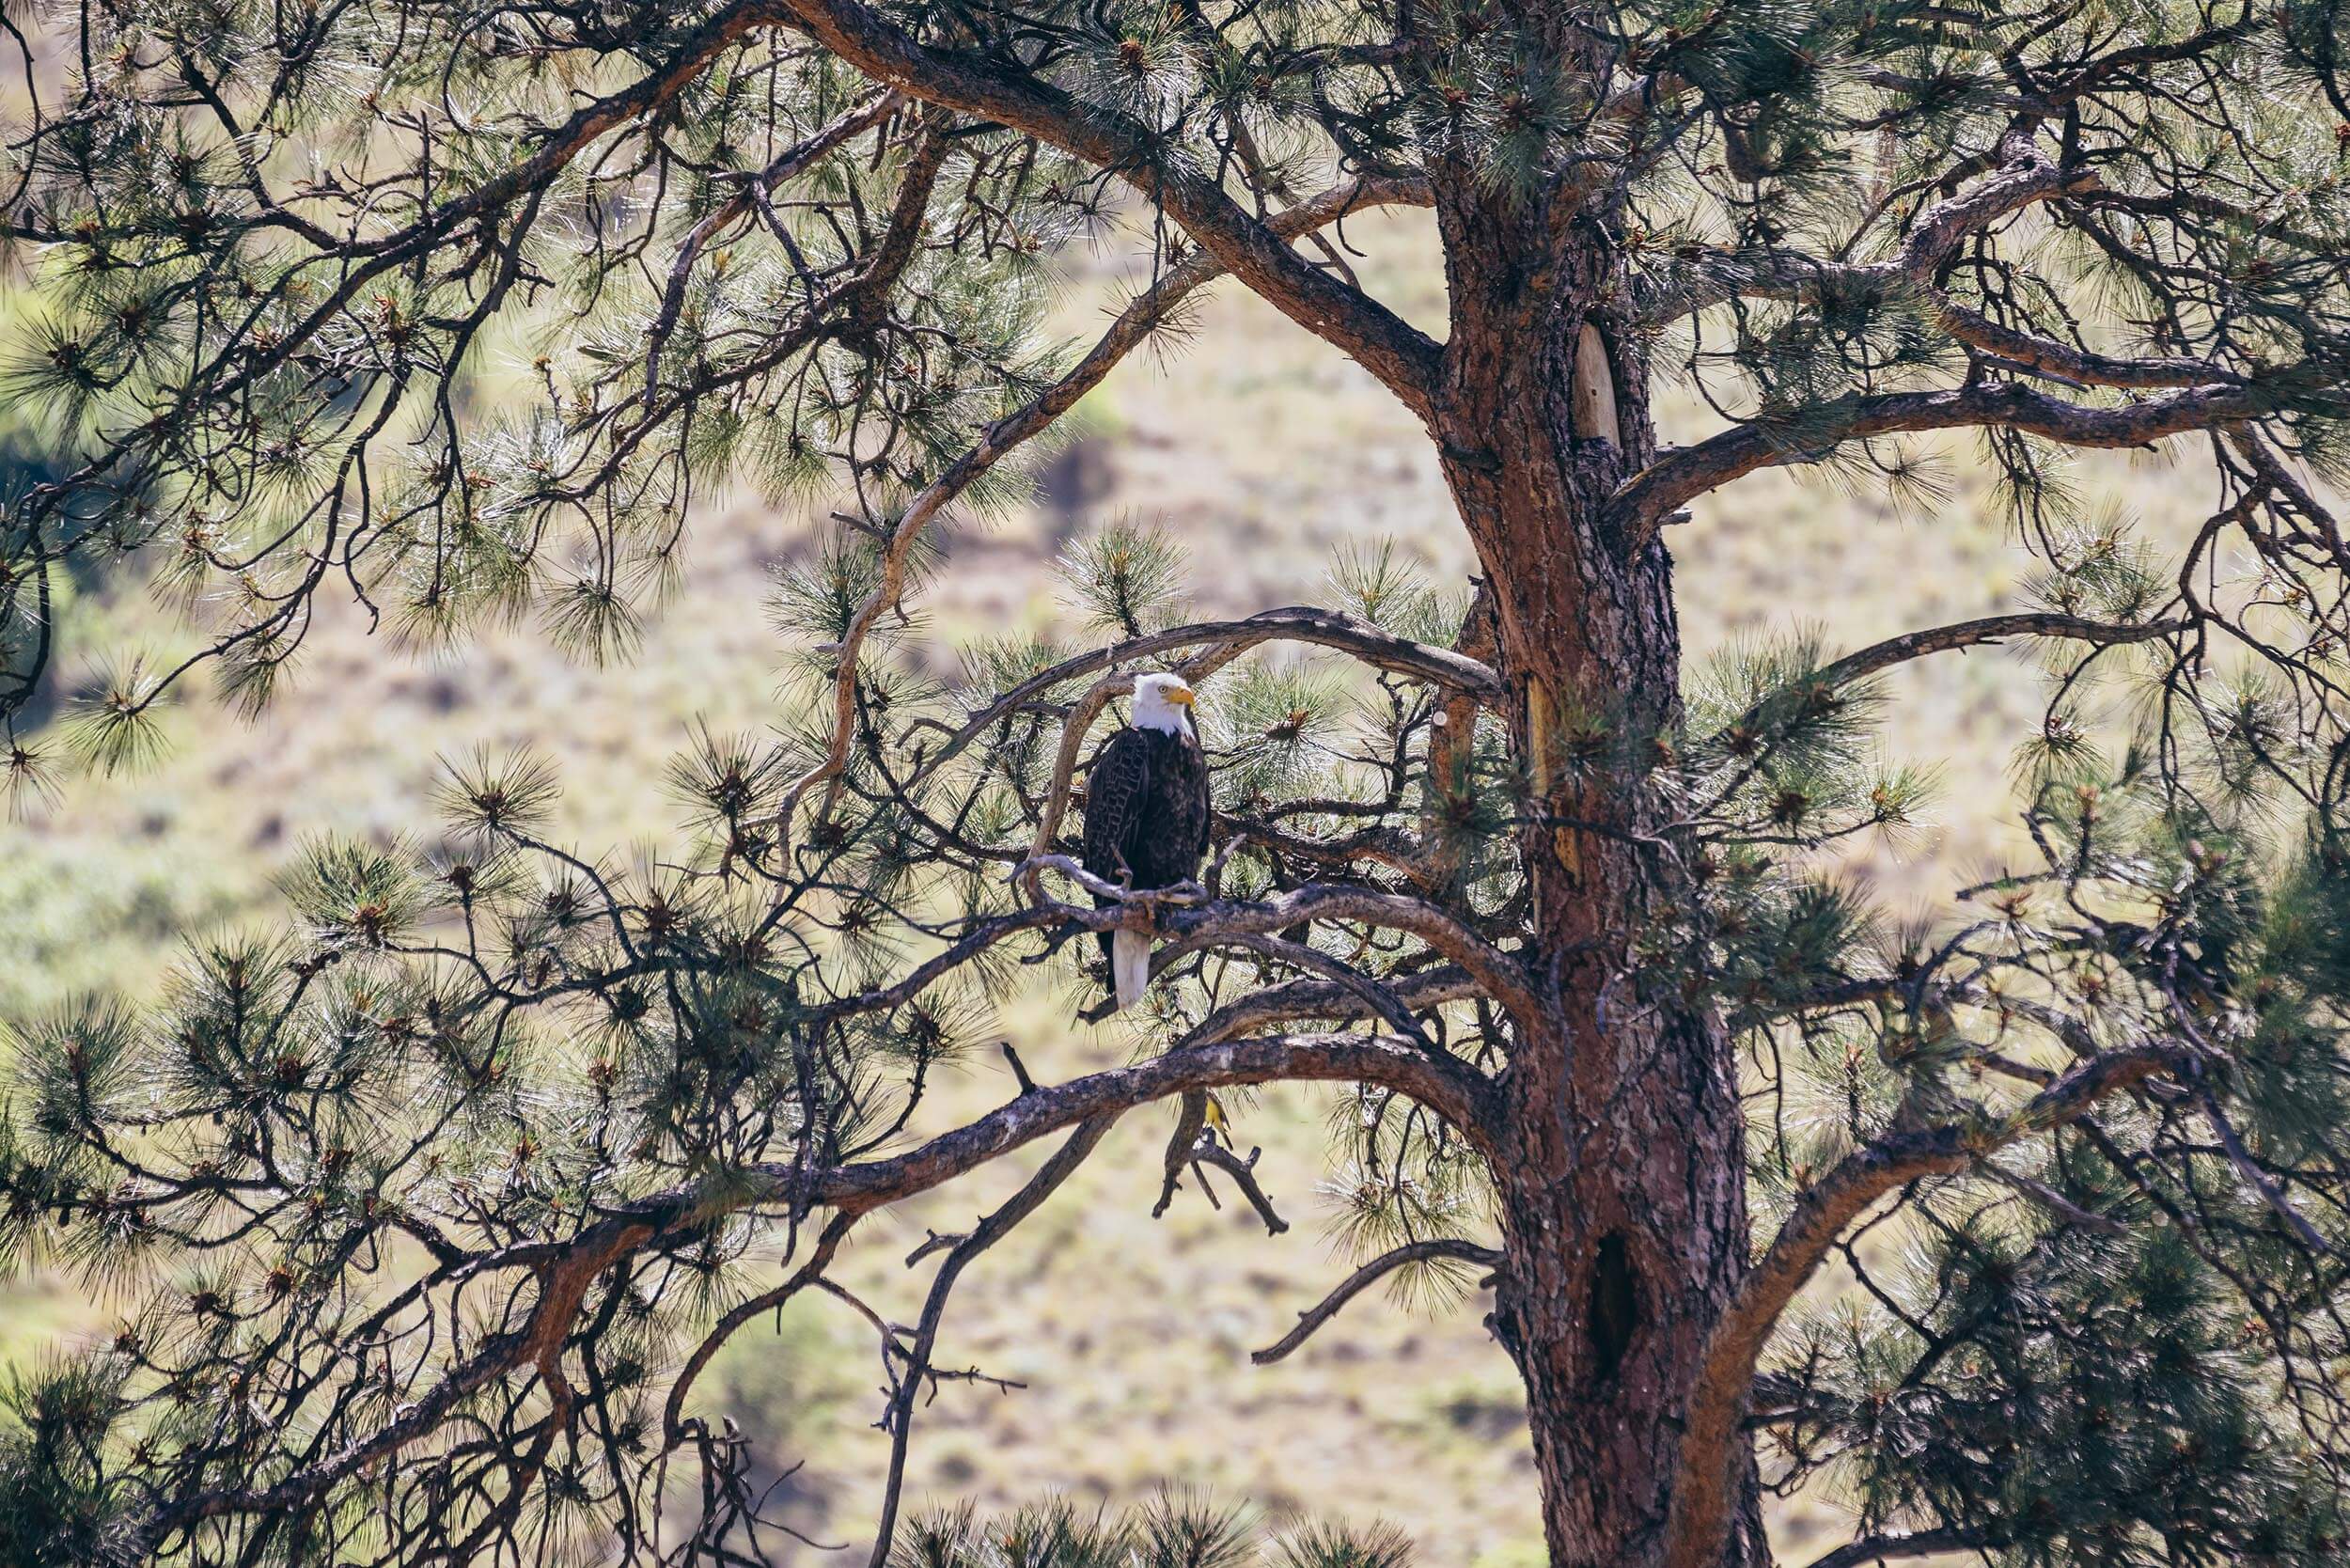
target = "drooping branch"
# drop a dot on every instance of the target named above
(788, 166)
(564, 1278)
(1364, 1277)
(1195, 1145)
(673, 1417)
(566, 1270)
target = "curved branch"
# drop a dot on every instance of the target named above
(2060, 361)
(1880, 1548)
(1501, 977)
(1706, 1487)
(1477, 968)
(1450, 1087)
(1321, 998)
(1305, 624)
(1366, 1276)
(567, 1270)
(2023, 177)
(1383, 1004)
(1226, 641)
(1989, 629)
(1688, 472)
(1780, 276)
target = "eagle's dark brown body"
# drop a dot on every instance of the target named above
(1146, 811)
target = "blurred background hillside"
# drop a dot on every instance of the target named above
(1262, 451)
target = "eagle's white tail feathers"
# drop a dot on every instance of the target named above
(1130, 965)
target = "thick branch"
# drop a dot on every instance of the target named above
(1706, 1488)
(1688, 472)
(1988, 630)
(2060, 361)
(1399, 355)
(2023, 176)
(1881, 1549)
(1451, 1089)
(568, 1270)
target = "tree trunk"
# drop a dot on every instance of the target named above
(1622, 1184)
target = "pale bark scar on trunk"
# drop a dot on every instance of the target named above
(1594, 403)
(1541, 742)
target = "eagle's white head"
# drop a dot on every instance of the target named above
(1163, 702)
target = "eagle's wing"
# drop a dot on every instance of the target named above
(1200, 807)
(1115, 795)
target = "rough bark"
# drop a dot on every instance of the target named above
(1624, 1219)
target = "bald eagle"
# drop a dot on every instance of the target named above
(1146, 815)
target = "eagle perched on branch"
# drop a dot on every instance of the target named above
(1146, 815)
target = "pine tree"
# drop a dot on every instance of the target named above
(445, 1197)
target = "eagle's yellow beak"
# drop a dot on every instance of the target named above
(1181, 696)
